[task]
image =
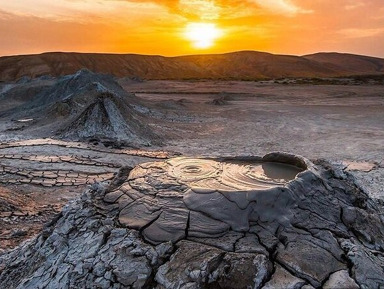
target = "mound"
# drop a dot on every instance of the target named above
(82, 105)
(273, 222)
(109, 117)
(222, 99)
(79, 87)
(219, 101)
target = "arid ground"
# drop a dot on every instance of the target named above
(42, 166)
(336, 122)
(340, 123)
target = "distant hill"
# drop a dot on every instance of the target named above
(236, 65)
(350, 63)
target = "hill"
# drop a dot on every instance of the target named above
(352, 64)
(236, 65)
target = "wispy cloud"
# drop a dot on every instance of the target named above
(206, 10)
(214, 9)
(361, 32)
(285, 7)
(355, 5)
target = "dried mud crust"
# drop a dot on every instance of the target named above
(63, 170)
(38, 177)
(316, 231)
(22, 215)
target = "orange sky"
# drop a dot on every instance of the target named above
(156, 27)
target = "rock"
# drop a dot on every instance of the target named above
(367, 267)
(307, 287)
(309, 261)
(250, 243)
(340, 280)
(283, 279)
(226, 242)
(363, 223)
(242, 270)
(189, 264)
(203, 266)
(370, 181)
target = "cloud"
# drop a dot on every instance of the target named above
(207, 10)
(214, 9)
(361, 33)
(352, 6)
(192, 10)
(84, 11)
(285, 7)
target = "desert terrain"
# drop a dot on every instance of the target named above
(240, 65)
(69, 143)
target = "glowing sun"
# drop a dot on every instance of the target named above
(202, 35)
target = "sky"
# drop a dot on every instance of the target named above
(295, 27)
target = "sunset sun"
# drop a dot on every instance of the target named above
(202, 35)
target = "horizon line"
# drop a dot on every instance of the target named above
(186, 55)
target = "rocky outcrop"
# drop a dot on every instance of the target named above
(274, 222)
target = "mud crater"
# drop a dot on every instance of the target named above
(230, 175)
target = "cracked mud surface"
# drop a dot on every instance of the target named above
(38, 177)
(152, 228)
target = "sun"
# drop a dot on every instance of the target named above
(202, 35)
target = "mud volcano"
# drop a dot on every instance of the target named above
(279, 221)
(82, 106)
(226, 190)
(110, 117)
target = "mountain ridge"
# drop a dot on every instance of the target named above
(240, 65)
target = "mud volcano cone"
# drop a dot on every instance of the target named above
(84, 105)
(109, 117)
(80, 87)
(277, 221)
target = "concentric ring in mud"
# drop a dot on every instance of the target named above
(231, 176)
(194, 170)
